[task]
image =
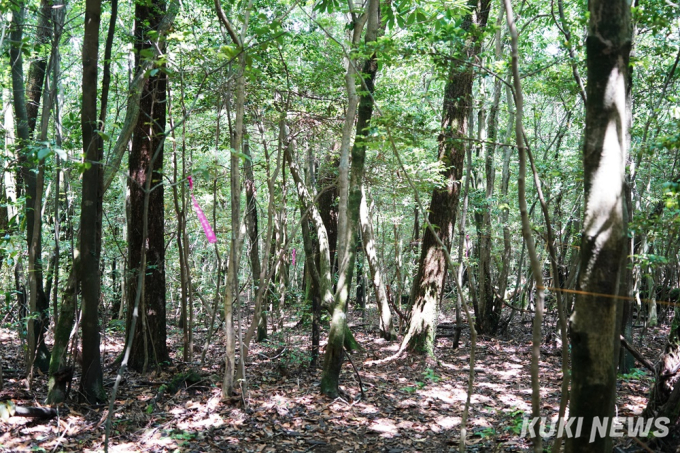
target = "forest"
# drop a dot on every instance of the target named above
(340, 226)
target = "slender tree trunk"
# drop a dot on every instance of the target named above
(253, 235)
(328, 205)
(28, 177)
(398, 272)
(594, 326)
(325, 283)
(181, 231)
(490, 304)
(536, 266)
(234, 257)
(505, 182)
(360, 300)
(34, 181)
(350, 188)
(385, 323)
(91, 384)
(59, 374)
(269, 267)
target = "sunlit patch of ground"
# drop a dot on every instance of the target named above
(409, 403)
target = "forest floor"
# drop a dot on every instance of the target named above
(410, 404)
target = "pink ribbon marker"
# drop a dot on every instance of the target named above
(209, 233)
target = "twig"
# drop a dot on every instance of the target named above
(643, 445)
(361, 386)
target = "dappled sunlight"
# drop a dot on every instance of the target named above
(384, 426)
(7, 335)
(408, 403)
(447, 422)
(199, 423)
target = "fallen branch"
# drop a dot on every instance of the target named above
(635, 353)
(8, 409)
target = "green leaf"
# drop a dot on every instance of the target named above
(106, 137)
(61, 153)
(43, 153)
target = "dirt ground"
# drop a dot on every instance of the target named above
(409, 404)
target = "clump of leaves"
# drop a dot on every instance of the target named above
(635, 374)
(431, 375)
(516, 421)
(117, 325)
(486, 432)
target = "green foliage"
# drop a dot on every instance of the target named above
(431, 375)
(636, 374)
(485, 432)
(516, 421)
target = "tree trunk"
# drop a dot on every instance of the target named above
(34, 184)
(594, 327)
(28, 177)
(490, 304)
(59, 373)
(505, 181)
(350, 195)
(385, 324)
(429, 280)
(149, 342)
(664, 397)
(91, 384)
(360, 301)
(235, 255)
(328, 205)
(253, 235)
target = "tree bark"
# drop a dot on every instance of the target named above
(149, 343)
(350, 194)
(385, 323)
(27, 182)
(91, 384)
(594, 326)
(328, 205)
(429, 280)
(536, 266)
(490, 304)
(253, 235)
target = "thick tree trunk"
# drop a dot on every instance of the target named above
(594, 326)
(429, 280)
(91, 211)
(149, 343)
